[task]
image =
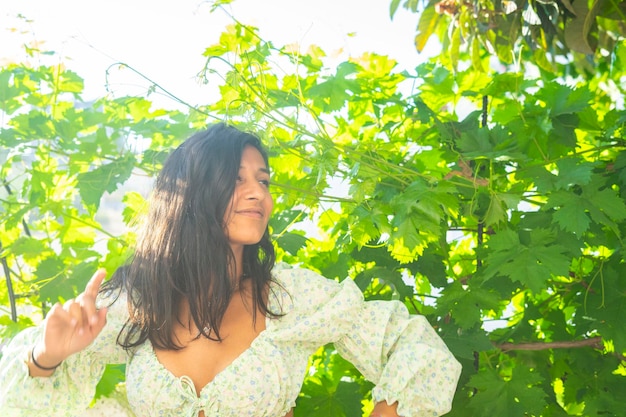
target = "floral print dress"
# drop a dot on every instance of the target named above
(400, 353)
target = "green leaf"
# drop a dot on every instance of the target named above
(564, 132)
(620, 167)
(59, 282)
(285, 218)
(606, 201)
(349, 395)
(292, 242)
(406, 240)
(465, 342)
(571, 217)
(9, 328)
(466, 304)
(377, 254)
(455, 46)
(112, 376)
(135, 207)
(475, 144)
(429, 19)
(51, 282)
(496, 211)
(9, 92)
(608, 308)
(562, 99)
(538, 176)
(93, 184)
(323, 396)
(476, 54)
(393, 7)
(332, 94)
(571, 214)
(511, 393)
(531, 263)
(29, 247)
(504, 82)
(215, 4)
(69, 81)
(432, 266)
(572, 173)
(603, 205)
(391, 278)
(332, 265)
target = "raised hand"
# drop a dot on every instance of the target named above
(69, 328)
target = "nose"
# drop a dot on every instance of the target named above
(254, 190)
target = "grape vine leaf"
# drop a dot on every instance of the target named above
(93, 184)
(514, 395)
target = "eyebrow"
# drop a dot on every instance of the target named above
(264, 170)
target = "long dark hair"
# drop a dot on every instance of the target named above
(183, 252)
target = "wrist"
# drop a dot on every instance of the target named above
(43, 364)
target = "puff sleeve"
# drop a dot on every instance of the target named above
(403, 356)
(70, 390)
(400, 353)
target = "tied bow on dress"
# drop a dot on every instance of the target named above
(188, 391)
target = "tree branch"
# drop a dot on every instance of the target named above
(7, 275)
(595, 342)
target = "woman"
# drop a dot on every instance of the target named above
(207, 324)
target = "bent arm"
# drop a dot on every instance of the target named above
(414, 372)
(404, 356)
(64, 392)
(67, 390)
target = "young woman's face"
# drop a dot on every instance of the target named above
(251, 204)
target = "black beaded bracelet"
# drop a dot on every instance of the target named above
(43, 368)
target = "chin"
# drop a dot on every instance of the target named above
(246, 242)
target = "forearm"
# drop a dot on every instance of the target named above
(27, 390)
(39, 364)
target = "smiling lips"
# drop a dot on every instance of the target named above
(256, 213)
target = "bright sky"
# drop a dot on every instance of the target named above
(165, 39)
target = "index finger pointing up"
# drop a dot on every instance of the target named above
(93, 286)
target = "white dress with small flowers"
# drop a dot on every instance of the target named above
(400, 353)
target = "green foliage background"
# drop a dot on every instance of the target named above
(488, 196)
